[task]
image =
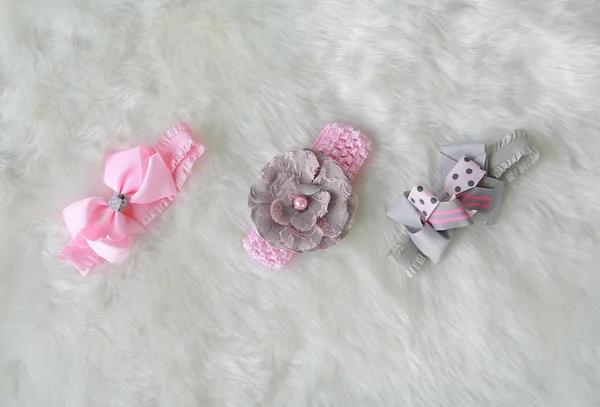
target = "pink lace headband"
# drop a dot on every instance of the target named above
(144, 181)
(303, 200)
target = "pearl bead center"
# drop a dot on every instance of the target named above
(300, 203)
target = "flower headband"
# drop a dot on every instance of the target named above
(472, 175)
(144, 181)
(303, 200)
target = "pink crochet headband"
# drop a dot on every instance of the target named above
(145, 181)
(303, 200)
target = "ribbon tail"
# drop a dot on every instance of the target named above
(430, 242)
(109, 250)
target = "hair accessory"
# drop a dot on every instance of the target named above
(303, 200)
(145, 181)
(473, 176)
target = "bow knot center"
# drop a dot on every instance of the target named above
(118, 202)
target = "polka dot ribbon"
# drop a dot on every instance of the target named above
(473, 176)
(464, 195)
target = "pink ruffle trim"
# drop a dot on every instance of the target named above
(180, 164)
(350, 149)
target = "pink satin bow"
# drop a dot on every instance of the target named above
(144, 181)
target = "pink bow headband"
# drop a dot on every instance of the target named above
(473, 176)
(303, 200)
(144, 181)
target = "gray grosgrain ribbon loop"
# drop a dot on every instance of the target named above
(471, 193)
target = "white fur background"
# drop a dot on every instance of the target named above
(510, 317)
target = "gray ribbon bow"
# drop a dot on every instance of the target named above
(430, 219)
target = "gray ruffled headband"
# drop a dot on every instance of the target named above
(473, 175)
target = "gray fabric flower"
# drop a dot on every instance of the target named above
(302, 201)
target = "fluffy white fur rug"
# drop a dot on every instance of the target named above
(510, 317)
